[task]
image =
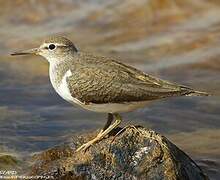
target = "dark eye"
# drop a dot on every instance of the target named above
(51, 46)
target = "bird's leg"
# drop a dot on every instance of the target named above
(108, 123)
(103, 133)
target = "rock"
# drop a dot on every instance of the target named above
(135, 153)
(7, 161)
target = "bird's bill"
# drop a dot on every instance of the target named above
(26, 52)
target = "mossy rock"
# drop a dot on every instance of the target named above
(8, 162)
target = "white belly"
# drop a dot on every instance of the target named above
(64, 92)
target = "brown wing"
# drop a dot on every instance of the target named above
(113, 82)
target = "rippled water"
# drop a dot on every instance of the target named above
(175, 40)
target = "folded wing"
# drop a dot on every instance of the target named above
(114, 82)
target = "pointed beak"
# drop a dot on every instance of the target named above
(34, 51)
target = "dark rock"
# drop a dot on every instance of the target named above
(135, 153)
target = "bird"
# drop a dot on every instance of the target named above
(102, 84)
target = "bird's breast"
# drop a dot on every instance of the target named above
(62, 88)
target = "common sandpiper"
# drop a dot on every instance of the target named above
(102, 84)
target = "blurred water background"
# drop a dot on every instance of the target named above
(173, 39)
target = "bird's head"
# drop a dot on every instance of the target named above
(54, 48)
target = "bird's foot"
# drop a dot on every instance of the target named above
(101, 134)
(87, 145)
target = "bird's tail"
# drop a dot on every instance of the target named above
(198, 93)
(191, 92)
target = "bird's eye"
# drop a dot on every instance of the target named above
(51, 47)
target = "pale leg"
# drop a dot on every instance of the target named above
(108, 123)
(102, 134)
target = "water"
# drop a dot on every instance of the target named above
(174, 40)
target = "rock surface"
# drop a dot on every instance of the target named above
(135, 153)
(8, 162)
